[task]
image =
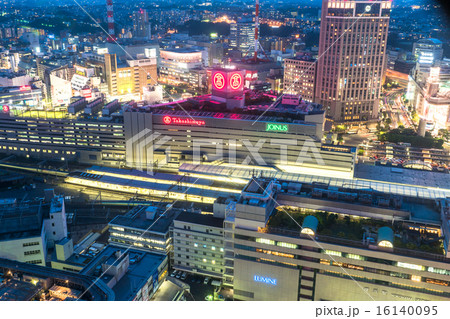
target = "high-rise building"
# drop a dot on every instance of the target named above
(428, 51)
(141, 26)
(299, 77)
(351, 58)
(128, 79)
(242, 35)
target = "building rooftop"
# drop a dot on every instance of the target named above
(430, 41)
(22, 221)
(206, 220)
(139, 219)
(98, 291)
(409, 238)
(387, 183)
(182, 50)
(402, 176)
(256, 109)
(15, 290)
(142, 266)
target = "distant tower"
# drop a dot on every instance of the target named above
(110, 15)
(141, 26)
(256, 30)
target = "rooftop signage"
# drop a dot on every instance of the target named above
(275, 127)
(25, 88)
(219, 81)
(168, 120)
(236, 81)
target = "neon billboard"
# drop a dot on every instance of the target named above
(219, 81)
(236, 81)
(168, 120)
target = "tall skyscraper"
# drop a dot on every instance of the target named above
(351, 61)
(141, 26)
(242, 35)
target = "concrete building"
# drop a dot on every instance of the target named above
(147, 228)
(200, 137)
(141, 25)
(351, 65)
(14, 79)
(431, 98)
(181, 67)
(88, 141)
(199, 244)
(300, 76)
(133, 275)
(27, 231)
(307, 257)
(127, 79)
(25, 282)
(19, 97)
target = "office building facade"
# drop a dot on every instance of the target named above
(127, 80)
(307, 257)
(182, 67)
(199, 244)
(300, 77)
(352, 50)
(141, 25)
(242, 35)
(428, 51)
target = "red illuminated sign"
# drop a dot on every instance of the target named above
(219, 81)
(87, 93)
(25, 88)
(179, 121)
(5, 108)
(236, 81)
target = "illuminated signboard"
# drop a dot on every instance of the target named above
(5, 108)
(274, 127)
(87, 93)
(180, 121)
(219, 81)
(236, 81)
(265, 280)
(25, 88)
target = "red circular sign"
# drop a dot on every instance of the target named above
(167, 119)
(219, 81)
(236, 81)
(5, 108)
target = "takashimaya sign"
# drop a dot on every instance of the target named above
(182, 121)
(275, 127)
(266, 280)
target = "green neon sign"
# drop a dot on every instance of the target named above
(274, 127)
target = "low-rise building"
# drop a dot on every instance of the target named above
(133, 275)
(199, 244)
(26, 231)
(144, 227)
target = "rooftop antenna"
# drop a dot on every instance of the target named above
(110, 19)
(255, 56)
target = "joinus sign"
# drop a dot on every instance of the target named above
(275, 127)
(265, 280)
